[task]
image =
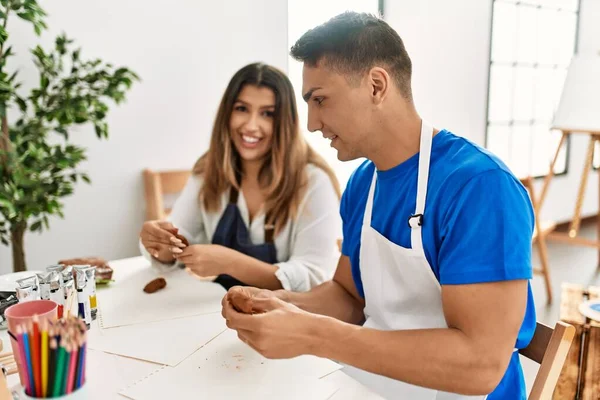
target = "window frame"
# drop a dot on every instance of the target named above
(567, 143)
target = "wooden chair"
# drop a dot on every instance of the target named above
(540, 233)
(159, 184)
(549, 348)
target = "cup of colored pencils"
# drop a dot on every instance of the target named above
(21, 315)
(50, 353)
(54, 355)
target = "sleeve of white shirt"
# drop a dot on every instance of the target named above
(313, 252)
(186, 216)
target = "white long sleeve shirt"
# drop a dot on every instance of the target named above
(306, 246)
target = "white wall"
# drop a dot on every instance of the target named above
(449, 43)
(185, 52)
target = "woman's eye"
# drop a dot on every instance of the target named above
(240, 108)
(269, 114)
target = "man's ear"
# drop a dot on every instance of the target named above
(379, 82)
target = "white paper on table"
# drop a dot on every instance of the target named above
(124, 301)
(164, 342)
(106, 374)
(227, 368)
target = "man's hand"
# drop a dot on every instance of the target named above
(277, 330)
(208, 259)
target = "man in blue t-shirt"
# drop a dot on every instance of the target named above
(431, 296)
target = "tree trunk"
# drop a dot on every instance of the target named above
(17, 233)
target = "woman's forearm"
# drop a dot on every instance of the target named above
(254, 272)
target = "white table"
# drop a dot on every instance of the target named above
(107, 374)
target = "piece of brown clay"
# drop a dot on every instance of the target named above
(155, 285)
(241, 300)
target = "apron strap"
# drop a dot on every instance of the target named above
(269, 228)
(416, 220)
(369, 205)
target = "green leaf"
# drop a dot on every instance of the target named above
(13, 76)
(3, 35)
(27, 16)
(36, 226)
(86, 178)
(8, 205)
(44, 81)
(22, 104)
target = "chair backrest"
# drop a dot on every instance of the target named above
(157, 184)
(549, 348)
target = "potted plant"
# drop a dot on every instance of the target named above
(38, 164)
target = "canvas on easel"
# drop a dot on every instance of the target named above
(578, 113)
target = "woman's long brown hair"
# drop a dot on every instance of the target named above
(283, 175)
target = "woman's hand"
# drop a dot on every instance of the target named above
(158, 238)
(207, 259)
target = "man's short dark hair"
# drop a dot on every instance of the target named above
(352, 43)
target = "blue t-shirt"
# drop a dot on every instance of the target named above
(477, 224)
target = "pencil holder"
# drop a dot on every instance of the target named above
(22, 314)
(79, 394)
(51, 354)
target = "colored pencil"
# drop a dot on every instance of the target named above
(44, 363)
(23, 361)
(58, 379)
(65, 373)
(84, 349)
(27, 352)
(35, 353)
(72, 366)
(52, 365)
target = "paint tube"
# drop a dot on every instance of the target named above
(57, 291)
(67, 273)
(55, 267)
(70, 297)
(83, 299)
(44, 285)
(69, 292)
(26, 293)
(90, 273)
(33, 282)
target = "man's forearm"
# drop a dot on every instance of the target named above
(329, 299)
(442, 359)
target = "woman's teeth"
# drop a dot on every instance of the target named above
(250, 139)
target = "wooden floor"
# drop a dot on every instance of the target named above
(568, 263)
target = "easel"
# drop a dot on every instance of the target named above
(571, 236)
